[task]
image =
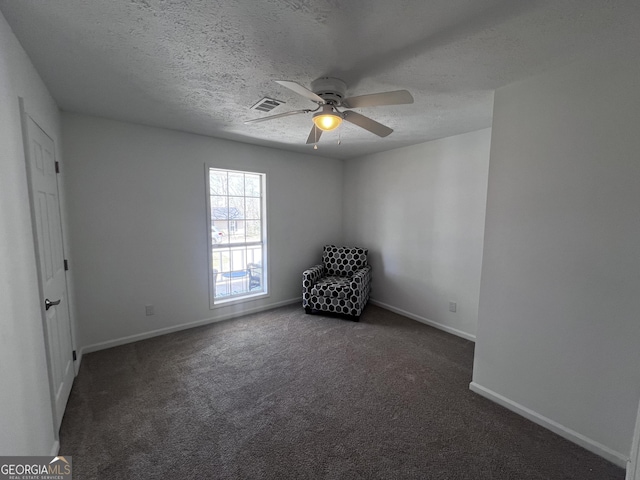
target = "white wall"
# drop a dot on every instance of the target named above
(26, 423)
(139, 223)
(559, 328)
(420, 211)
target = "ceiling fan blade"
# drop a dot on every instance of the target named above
(314, 135)
(398, 97)
(272, 117)
(367, 123)
(300, 90)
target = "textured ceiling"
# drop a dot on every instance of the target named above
(199, 65)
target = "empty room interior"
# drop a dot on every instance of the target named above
(168, 178)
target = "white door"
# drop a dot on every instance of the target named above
(48, 228)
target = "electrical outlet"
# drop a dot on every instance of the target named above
(149, 310)
(453, 306)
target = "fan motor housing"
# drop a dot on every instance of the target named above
(332, 90)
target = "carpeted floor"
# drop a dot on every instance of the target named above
(281, 395)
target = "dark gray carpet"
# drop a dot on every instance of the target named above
(283, 395)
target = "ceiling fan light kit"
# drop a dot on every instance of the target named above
(329, 94)
(327, 120)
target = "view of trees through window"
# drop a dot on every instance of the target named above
(237, 233)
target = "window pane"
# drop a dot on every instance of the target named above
(220, 232)
(219, 223)
(236, 231)
(252, 209)
(254, 268)
(218, 182)
(254, 233)
(254, 254)
(220, 261)
(239, 271)
(252, 185)
(236, 184)
(238, 259)
(218, 202)
(236, 208)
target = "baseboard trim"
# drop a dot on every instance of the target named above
(185, 326)
(571, 435)
(55, 449)
(426, 321)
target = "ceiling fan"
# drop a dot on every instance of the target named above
(329, 94)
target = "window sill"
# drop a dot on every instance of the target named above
(236, 300)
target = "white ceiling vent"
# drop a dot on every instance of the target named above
(266, 104)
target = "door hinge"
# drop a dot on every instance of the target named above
(75, 357)
(57, 167)
(66, 264)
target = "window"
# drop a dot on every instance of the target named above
(238, 234)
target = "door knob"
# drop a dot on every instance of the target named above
(48, 303)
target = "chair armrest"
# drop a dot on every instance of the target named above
(309, 279)
(362, 276)
(361, 284)
(312, 275)
(360, 288)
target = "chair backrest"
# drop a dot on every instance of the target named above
(343, 261)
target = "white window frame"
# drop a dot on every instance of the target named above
(224, 302)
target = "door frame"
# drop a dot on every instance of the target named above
(633, 466)
(24, 119)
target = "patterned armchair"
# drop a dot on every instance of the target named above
(341, 284)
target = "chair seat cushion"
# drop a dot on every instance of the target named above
(332, 286)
